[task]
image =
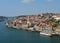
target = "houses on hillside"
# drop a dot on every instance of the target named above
(38, 22)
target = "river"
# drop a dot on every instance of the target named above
(9, 35)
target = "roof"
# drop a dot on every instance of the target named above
(57, 15)
(57, 29)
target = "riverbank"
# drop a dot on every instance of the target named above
(10, 35)
(3, 18)
(39, 23)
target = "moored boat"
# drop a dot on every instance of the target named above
(47, 34)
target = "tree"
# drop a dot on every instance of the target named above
(53, 23)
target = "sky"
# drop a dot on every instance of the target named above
(27, 7)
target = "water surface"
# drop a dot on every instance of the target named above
(9, 35)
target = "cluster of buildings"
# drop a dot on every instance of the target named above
(39, 23)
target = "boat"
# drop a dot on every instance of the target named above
(47, 34)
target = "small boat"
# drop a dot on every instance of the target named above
(47, 34)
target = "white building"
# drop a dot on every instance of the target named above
(57, 16)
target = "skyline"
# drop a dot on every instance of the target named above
(25, 7)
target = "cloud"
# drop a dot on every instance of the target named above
(27, 1)
(49, 0)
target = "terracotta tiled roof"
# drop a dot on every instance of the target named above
(57, 15)
(58, 29)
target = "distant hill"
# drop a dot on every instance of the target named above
(2, 18)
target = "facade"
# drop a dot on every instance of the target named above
(57, 16)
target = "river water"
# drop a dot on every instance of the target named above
(9, 35)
